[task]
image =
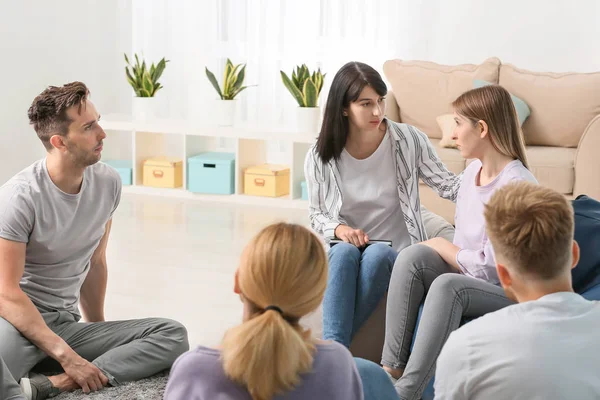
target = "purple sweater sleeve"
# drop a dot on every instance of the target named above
(480, 263)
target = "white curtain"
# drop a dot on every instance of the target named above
(268, 36)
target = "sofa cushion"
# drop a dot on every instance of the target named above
(424, 90)
(562, 104)
(447, 124)
(553, 167)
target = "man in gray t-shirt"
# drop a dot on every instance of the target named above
(55, 219)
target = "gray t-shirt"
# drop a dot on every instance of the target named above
(61, 230)
(198, 375)
(370, 192)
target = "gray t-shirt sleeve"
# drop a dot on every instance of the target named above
(16, 213)
(118, 190)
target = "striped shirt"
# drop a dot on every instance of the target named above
(415, 159)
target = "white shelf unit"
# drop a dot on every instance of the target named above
(138, 141)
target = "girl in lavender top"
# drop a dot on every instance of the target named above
(456, 279)
(281, 278)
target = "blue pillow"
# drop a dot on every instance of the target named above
(521, 107)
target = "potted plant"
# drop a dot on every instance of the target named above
(306, 88)
(233, 79)
(144, 82)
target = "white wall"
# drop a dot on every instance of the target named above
(541, 35)
(46, 43)
(54, 42)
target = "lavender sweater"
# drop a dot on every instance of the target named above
(476, 257)
(198, 375)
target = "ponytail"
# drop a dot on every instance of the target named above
(282, 277)
(267, 354)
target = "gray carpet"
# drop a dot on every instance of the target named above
(151, 388)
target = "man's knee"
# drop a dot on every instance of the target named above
(177, 333)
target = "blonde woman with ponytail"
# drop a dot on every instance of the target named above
(281, 278)
(455, 279)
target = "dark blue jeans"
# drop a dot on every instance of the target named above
(357, 282)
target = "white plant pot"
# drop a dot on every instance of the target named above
(226, 112)
(308, 119)
(144, 108)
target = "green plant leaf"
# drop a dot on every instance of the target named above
(126, 59)
(230, 80)
(321, 85)
(295, 79)
(213, 81)
(239, 80)
(237, 91)
(157, 87)
(228, 68)
(147, 83)
(130, 79)
(292, 89)
(305, 74)
(144, 93)
(310, 94)
(160, 67)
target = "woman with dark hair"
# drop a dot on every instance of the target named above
(363, 185)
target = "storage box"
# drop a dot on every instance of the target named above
(212, 173)
(304, 190)
(164, 172)
(124, 168)
(269, 180)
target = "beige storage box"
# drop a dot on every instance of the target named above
(268, 180)
(163, 172)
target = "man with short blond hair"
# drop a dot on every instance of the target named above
(545, 347)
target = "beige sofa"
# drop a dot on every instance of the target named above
(562, 135)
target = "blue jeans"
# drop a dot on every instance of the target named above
(357, 281)
(376, 383)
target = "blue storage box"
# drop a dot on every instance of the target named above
(304, 190)
(124, 168)
(212, 173)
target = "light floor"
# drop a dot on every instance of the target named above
(176, 258)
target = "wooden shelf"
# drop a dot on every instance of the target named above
(137, 141)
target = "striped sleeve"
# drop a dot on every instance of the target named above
(432, 170)
(321, 220)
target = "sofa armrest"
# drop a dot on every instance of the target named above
(392, 109)
(587, 161)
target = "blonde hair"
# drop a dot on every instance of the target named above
(285, 266)
(532, 227)
(494, 105)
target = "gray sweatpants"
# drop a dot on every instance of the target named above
(419, 272)
(123, 350)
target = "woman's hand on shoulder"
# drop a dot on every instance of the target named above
(350, 235)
